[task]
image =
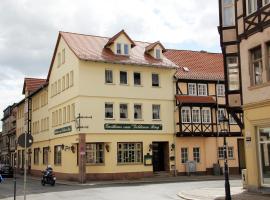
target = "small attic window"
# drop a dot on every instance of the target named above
(186, 69)
(157, 53)
(118, 48)
(126, 49)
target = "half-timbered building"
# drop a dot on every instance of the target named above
(200, 101)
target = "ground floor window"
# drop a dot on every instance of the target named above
(184, 155)
(58, 155)
(196, 154)
(130, 152)
(230, 153)
(94, 153)
(45, 155)
(36, 156)
(264, 149)
(220, 153)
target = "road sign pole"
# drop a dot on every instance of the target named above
(24, 182)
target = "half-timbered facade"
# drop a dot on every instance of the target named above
(200, 101)
(245, 41)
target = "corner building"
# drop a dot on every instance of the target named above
(244, 37)
(110, 109)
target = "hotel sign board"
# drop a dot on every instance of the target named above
(109, 126)
(63, 130)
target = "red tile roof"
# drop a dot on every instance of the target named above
(198, 64)
(89, 47)
(32, 84)
(184, 99)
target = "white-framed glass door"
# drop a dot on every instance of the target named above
(264, 155)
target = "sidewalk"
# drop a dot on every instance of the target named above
(151, 180)
(218, 194)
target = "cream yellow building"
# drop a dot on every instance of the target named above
(109, 109)
(244, 32)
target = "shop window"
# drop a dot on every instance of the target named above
(58, 155)
(129, 152)
(94, 153)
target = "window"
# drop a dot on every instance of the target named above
(63, 56)
(108, 76)
(59, 85)
(206, 115)
(72, 112)
(58, 155)
(123, 77)
(220, 153)
(108, 110)
(71, 78)
(45, 155)
(268, 61)
(196, 115)
(266, 2)
(94, 153)
(230, 153)
(156, 111)
(64, 115)
(221, 113)
(126, 49)
(196, 154)
(63, 83)
(157, 53)
(184, 155)
(137, 111)
(36, 156)
(220, 90)
(68, 113)
(137, 78)
(155, 80)
(233, 73)
(228, 13)
(185, 115)
(59, 59)
(256, 66)
(192, 89)
(251, 6)
(232, 120)
(60, 116)
(129, 152)
(118, 48)
(67, 80)
(202, 89)
(123, 111)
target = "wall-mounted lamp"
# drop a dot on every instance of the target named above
(107, 147)
(172, 147)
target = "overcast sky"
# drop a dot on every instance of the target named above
(29, 28)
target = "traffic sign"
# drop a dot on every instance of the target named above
(29, 140)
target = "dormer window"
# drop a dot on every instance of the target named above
(126, 49)
(157, 53)
(118, 48)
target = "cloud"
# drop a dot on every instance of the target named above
(29, 30)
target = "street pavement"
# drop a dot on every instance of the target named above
(156, 191)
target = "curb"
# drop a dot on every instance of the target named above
(183, 196)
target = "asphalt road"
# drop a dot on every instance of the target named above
(162, 191)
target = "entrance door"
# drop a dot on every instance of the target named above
(241, 154)
(160, 157)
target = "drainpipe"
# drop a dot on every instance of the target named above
(174, 134)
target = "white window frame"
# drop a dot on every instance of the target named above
(220, 90)
(125, 155)
(256, 62)
(228, 5)
(218, 113)
(138, 118)
(196, 114)
(192, 89)
(254, 7)
(94, 153)
(121, 112)
(126, 47)
(233, 73)
(197, 155)
(121, 71)
(118, 50)
(184, 155)
(206, 114)
(202, 89)
(230, 150)
(185, 115)
(109, 103)
(158, 54)
(220, 151)
(159, 111)
(111, 71)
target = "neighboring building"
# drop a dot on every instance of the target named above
(8, 135)
(109, 110)
(244, 36)
(200, 100)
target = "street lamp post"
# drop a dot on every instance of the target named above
(224, 123)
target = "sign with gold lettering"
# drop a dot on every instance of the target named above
(63, 130)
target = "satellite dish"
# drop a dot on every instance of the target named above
(29, 140)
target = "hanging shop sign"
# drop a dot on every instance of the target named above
(148, 159)
(63, 130)
(109, 126)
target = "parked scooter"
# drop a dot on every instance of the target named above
(48, 177)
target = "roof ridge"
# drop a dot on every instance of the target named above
(196, 51)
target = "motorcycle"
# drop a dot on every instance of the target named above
(48, 177)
